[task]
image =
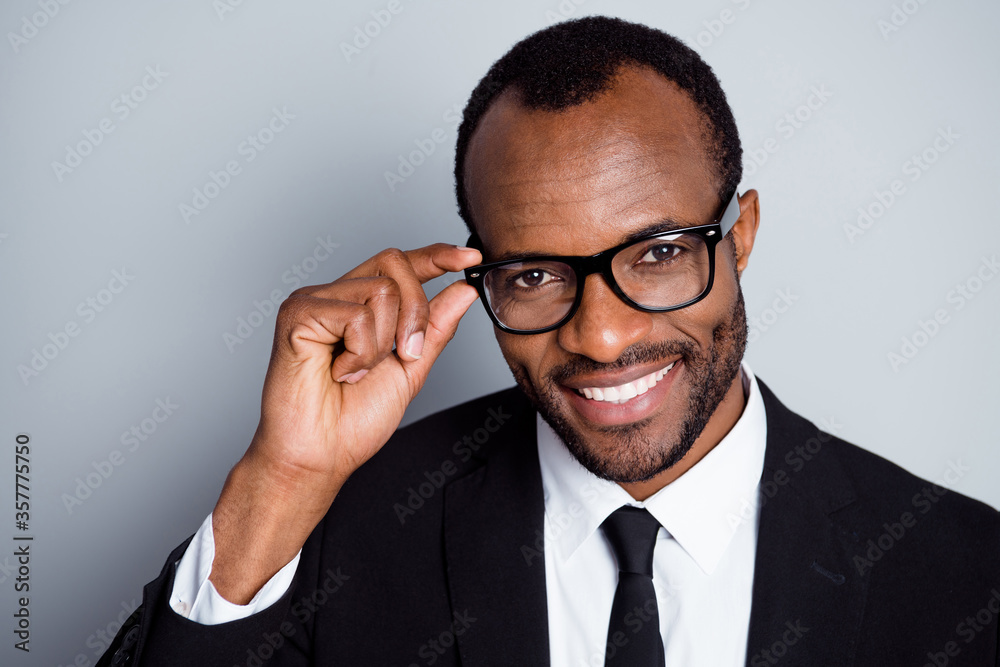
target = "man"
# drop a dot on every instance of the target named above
(640, 498)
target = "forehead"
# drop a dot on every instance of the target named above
(578, 180)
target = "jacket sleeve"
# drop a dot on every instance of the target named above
(279, 636)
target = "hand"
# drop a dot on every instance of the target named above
(335, 392)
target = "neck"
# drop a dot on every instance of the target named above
(726, 414)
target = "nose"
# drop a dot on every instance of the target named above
(604, 325)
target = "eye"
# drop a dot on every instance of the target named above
(532, 278)
(661, 252)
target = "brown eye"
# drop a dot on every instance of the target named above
(532, 278)
(661, 253)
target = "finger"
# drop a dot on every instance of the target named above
(446, 311)
(426, 264)
(410, 270)
(382, 295)
(437, 259)
(309, 327)
(411, 318)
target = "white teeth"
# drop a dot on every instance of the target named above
(625, 392)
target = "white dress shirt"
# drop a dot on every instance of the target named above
(702, 564)
(195, 597)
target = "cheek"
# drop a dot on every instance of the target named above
(527, 354)
(700, 320)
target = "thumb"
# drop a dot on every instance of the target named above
(446, 310)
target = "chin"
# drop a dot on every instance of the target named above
(616, 447)
(626, 453)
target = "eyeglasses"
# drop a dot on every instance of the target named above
(655, 273)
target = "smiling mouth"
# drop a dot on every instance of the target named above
(625, 392)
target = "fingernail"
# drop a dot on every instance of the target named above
(415, 344)
(464, 247)
(353, 377)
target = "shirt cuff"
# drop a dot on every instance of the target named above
(194, 597)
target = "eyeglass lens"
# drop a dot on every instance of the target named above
(658, 272)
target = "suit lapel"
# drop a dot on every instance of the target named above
(493, 549)
(808, 598)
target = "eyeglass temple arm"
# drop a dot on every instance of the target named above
(731, 214)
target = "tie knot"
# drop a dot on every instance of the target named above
(632, 533)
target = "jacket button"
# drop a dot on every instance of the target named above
(131, 637)
(122, 655)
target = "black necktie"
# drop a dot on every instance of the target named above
(634, 629)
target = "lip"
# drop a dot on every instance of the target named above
(609, 414)
(615, 378)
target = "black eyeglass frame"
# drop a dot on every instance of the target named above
(583, 266)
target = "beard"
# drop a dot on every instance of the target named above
(638, 455)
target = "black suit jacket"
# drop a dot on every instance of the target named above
(432, 555)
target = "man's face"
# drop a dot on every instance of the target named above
(576, 182)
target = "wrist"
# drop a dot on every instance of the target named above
(261, 521)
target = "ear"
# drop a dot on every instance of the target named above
(745, 229)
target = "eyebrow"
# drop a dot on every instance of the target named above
(664, 225)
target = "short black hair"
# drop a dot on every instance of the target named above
(572, 62)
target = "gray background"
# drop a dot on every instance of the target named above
(63, 235)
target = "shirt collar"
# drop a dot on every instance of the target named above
(699, 509)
